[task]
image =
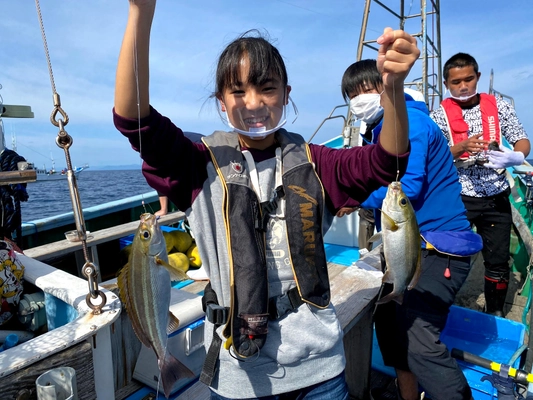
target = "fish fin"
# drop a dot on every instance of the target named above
(172, 370)
(418, 272)
(375, 237)
(109, 286)
(397, 297)
(126, 299)
(122, 283)
(388, 222)
(173, 323)
(387, 277)
(176, 274)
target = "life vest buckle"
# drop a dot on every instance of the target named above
(280, 306)
(217, 315)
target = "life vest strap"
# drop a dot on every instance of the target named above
(218, 316)
(279, 306)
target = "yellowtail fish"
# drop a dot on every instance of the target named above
(144, 288)
(401, 243)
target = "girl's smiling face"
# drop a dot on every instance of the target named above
(254, 106)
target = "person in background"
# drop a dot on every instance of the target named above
(470, 121)
(163, 202)
(408, 331)
(11, 196)
(270, 329)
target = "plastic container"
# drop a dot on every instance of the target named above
(57, 384)
(497, 339)
(11, 341)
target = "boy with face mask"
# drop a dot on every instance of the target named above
(470, 121)
(408, 330)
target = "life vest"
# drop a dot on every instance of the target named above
(246, 327)
(458, 127)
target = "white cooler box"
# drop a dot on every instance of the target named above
(186, 344)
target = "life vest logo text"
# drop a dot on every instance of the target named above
(307, 215)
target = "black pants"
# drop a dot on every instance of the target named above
(493, 221)
(409, 334)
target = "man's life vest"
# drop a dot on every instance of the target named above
(245, 220)
(458, 127)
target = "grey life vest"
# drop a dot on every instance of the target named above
(244, 219)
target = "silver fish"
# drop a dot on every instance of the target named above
(401, 243)
(144, 288)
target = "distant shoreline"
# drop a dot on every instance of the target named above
(115, 168)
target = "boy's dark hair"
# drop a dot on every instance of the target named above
(264, 59)
(459, 60)
(359, 75)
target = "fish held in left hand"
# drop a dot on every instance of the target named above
(401, 243)
(144, 288)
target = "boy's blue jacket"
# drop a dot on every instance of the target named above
(432, 186)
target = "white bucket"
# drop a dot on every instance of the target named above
(57, 384)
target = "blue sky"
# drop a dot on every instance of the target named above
(318, 40)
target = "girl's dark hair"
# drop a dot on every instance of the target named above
(359, 75)
(459, 60)
(264, 59)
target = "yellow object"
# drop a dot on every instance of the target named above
(194, 256)
(179, 261)
(178, 240)
(169, 241)
(228, 343)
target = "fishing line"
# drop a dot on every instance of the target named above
(396, 131)
(138, 95)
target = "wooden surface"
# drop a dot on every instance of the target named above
(13, 177)
(64, 247)
(79, 357)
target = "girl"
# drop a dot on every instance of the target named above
(259, 199)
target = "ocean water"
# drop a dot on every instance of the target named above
(49, 198)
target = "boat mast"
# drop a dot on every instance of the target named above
(424, 24)
(427, 20)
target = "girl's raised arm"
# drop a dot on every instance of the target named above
(397, 54)
(132, 80)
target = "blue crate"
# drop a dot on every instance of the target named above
(497, 339)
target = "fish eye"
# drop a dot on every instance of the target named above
(403, 201)
(145, 234)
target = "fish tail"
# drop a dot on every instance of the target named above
(172, 371)
(397, 297)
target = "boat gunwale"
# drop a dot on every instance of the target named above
(73, 291)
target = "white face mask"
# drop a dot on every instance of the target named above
(263, 131)
(464, 97)
(367, 107)
(259, 132)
